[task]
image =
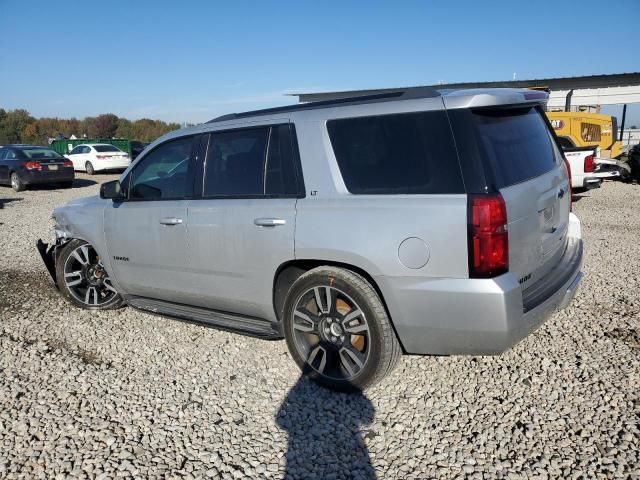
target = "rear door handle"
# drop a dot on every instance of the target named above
(170, 221)
(269, 222)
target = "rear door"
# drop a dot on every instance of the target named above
(242, 229)
(525, 165)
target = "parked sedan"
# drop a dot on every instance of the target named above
(24, 165)
(97, 157)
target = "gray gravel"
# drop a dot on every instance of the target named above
(127, 394)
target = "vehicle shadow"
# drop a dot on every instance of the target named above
(325, 433)
(83, 182)
(4, 201)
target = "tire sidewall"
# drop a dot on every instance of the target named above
(333, 279)
(89, 168)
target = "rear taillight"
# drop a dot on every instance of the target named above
(588, 164)
(102, 157)
(32, 165)
(568, 167)
(488, 236)
(68, 163)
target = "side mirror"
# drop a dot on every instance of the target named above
(112, 190)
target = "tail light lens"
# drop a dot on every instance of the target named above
(32, 165)
(68, 163)
(488, 236)
(568, 167)
(588, 164)
(102, 157)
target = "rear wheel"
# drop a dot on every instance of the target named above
(89, 168)
(338, 331)
(82, 278)
(16, 183)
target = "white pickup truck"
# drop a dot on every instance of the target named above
(585, 168)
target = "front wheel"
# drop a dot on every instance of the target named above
(89, 168)
(338, 331)
(82, 278)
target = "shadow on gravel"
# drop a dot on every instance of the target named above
(325, 433)
(83, 182)
(4, 201)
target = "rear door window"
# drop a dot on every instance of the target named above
(411, 153)
(235, 163)
(515, 143)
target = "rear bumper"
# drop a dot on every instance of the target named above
(101, 165)
(34, 177)
(479, 316)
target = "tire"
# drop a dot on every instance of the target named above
(338, 331)
(89, 168)
(77, 268)
(16, 183)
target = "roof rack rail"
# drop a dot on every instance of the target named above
(400, 94)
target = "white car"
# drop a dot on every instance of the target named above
(95, 157)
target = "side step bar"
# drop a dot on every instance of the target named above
(255, 327)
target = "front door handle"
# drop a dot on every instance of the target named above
(269, 222)
(170, 221)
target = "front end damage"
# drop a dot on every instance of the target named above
(48, 254)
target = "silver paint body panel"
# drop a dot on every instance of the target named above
(220, 257)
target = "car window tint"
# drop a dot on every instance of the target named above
(75, 150)
(86, 149)
(106, 148)
(10, 155)
(40, 153)
(280, 175)
(515, 143)
(410, 153)
(164, 172)
(235, 163)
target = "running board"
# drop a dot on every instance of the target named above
(255, 327)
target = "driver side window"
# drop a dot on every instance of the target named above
(164, 173)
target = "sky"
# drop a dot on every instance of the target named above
(190, 61)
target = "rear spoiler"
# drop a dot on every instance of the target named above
(492, 97)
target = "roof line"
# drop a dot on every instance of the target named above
(396, 94)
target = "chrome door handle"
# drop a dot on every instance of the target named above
(269, 222)
(170, 221)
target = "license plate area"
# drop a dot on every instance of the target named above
(53, 167)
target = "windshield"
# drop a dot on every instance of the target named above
(36, 153)
(106, 148)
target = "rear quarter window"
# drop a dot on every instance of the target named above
(515, 143)
(410, 153)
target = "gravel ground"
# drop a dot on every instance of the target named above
(127, 394)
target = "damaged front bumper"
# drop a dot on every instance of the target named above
(48, 254)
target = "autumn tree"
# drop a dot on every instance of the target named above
(106, 125)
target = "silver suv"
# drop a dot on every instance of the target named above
(425, 222)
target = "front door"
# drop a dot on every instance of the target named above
(242, 229)
(146, 235)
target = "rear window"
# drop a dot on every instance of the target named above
(106, 148)
(36, 153)
(409, 153)
(516, 144)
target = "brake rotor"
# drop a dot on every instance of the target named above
(356, 340)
